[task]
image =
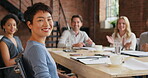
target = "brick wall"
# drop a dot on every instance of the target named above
(135, 10)
(3, 12)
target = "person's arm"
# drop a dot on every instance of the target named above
(63, 39)
(80, 44)
(88, 42)
(132, 43)
(110, 39)
(5, 55)
(38, 61)
(65, 76)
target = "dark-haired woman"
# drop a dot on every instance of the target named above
(10, 45)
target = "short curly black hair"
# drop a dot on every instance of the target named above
(7, 17)
(32, 10)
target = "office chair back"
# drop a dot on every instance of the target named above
(18, 68)
(52, 40)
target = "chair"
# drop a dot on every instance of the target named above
(52, 40)
(18, 68)
(137, 44)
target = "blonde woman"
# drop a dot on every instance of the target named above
(122, 33)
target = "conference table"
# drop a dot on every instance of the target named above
(93, 70)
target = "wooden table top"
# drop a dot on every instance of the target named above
(95, 70)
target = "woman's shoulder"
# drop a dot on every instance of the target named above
(16, 37)
(5, 39)
(34, 47)
(132, 33)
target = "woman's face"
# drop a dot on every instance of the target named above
(42, 24)
(121, 25)
(10, 26)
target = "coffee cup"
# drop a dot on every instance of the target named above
(98, 47)
(116, 59)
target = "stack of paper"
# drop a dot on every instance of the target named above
(135, 64)
(92, 59)
(135, 53)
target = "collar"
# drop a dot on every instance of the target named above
(124, 36)
(73, 33)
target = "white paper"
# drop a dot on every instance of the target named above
(57, 51)
(96, 61)
(109, 49)
(135, 64)
(136, 53)
(93, 60)
(85, 48)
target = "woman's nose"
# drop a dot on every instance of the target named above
(46, 23)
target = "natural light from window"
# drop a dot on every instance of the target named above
(109, 15)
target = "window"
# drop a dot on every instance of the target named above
(109, 15)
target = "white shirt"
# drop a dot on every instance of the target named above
(143, 38)
(132, 39)
(70, 35)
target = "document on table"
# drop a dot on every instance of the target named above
(135, 64)
(92, 59)
(135, 53)
(109, 49)
(84, 48)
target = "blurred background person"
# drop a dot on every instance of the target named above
(10, 45)
(75, 37)
(144, 39)
(122, 34)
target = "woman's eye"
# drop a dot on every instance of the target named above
(9, 25)
(40, 20)
(49, 19)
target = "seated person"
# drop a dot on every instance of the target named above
(144, 40)
(122, 34)
(38, 62)
(10, 45)
(76, 37)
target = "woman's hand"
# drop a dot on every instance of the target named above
(110, 39)
(65, 76)
(127, 45)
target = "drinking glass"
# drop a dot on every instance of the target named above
(68, 44)
(117, 47)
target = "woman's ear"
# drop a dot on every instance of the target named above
(29, 24)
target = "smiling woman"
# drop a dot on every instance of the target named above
(38, 61)
(10, 45)
(122, 34)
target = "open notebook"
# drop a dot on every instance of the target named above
(92, 59)
(135, 53)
